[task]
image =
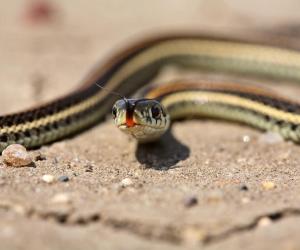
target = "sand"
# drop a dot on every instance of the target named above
(247, 189)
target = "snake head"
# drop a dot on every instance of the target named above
(144, 119)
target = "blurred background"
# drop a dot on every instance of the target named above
(47, 46)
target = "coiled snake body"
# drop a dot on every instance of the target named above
(147, 119)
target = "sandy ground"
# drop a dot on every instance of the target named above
(222, 165)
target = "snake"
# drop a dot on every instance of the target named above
(147, 118)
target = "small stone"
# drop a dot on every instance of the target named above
(264, 221)
(271, 138)
(242, 160)
(126, 182)
(268, 185)
(63, 178)
(16, 155)
(40, 157)
(48, 178)
(88, 168)
(190, 201)
(245, 200)
(244, 188)
(61, 198)
(246, 138)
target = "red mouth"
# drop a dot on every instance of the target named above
(129, 119)
(130, 122)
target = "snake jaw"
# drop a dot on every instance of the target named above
(125, 126)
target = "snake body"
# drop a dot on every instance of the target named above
(135, 66)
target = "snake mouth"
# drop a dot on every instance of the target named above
(125, 126)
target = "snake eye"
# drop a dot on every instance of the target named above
(155, 112)
(114, 112)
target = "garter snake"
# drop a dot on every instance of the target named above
(136, 65)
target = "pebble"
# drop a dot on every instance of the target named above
(61, 198)
(264, 221)
(126, 182)
(246, 138)
(40, 157)
(88, 168)
(245, 200)
(48, 178)
(63, 178)
(271, 138)
(268, 185)
(190, 201)
(16, 155)
(244, 188)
